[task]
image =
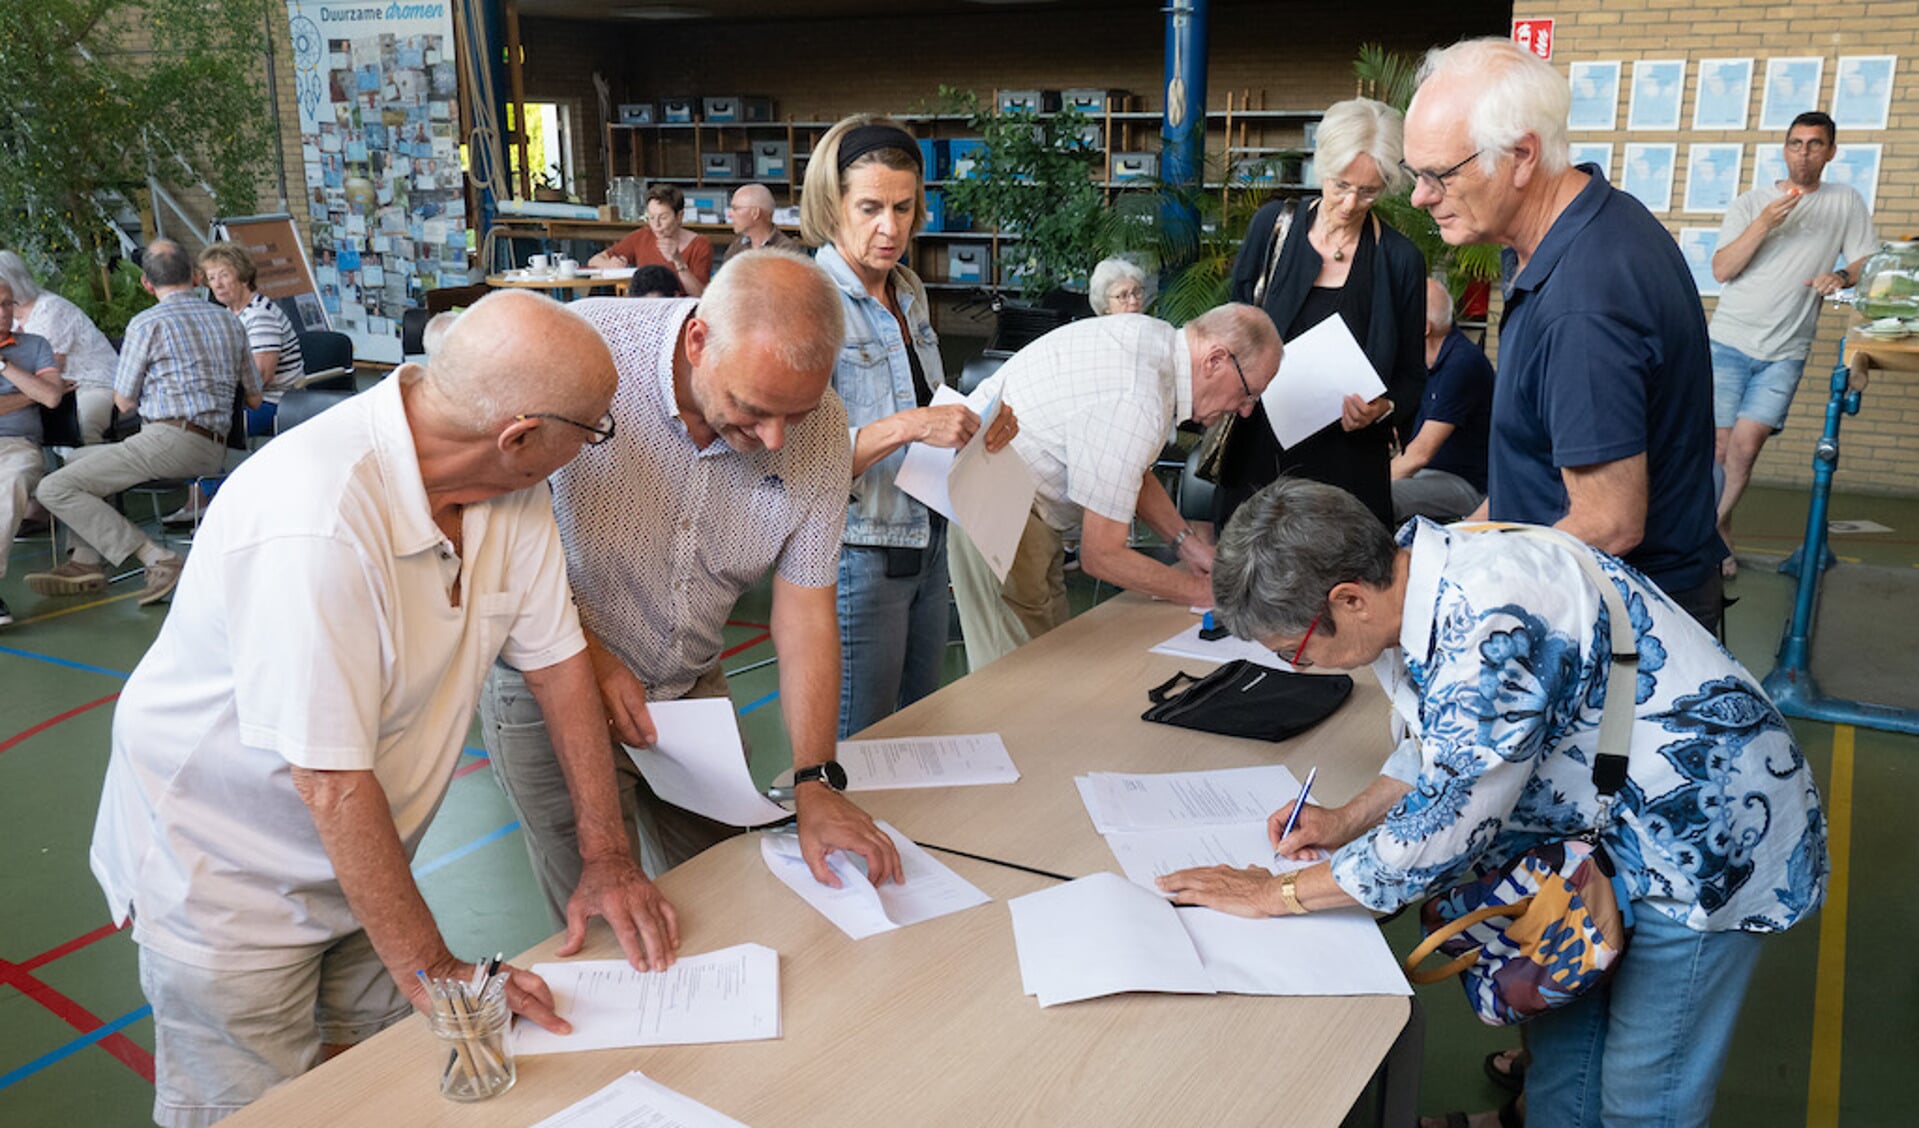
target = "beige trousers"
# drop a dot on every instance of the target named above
(21, 464)
(997, 617)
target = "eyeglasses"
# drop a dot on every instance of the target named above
(1435, 182)
(1301, 649)
(599, 434)
(1250, 394)
(1339, 188)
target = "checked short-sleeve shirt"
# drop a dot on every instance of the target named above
(661, 536)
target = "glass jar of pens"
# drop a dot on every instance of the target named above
(470, 1018)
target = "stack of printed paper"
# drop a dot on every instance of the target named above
(860, 908)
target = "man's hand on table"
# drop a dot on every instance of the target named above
(526, 993)
(640, 915)
(830, 821)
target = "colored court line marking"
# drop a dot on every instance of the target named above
(747, 645)
(41, 618)
(70, 947)
(752, 705)
(1829, 992)
(744, 623)
(110, 1030)
(80, 1018)
(52, 721)
(452, 856)
(67, 662)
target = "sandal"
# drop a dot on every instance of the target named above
(1512, 1078)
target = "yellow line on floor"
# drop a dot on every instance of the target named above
(71, 610)
(1829, 993)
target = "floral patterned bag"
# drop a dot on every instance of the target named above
(1554, 922)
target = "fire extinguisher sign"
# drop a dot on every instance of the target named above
(1535, 36)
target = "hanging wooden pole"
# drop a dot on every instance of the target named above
(517, 84)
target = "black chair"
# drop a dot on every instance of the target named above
(413, 332)
(160, 488)
(302, 404)
(328, 356)
(976, 370)
(59, 427)
(1195, 492)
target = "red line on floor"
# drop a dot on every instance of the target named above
(747, 645)
(70, 947)
(129, 1053)
(52, 721)
(470, 769)
(744, 623)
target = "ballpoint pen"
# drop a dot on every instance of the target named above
(1292, 820)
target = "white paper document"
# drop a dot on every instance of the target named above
(926, 761)
(1148, 854)
(1317, 371)
(1153, 801)
(1188, 644)
(858, 907)
(732, 995)
(699, 763)
(1103, 935)
(638, 1101)
(988, 494)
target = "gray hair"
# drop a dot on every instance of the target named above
(1514, 92)
(165, 263)
(437, 327)
(1356, 126)
(781, 298)
(1439, 305)
(1284, 552)
(1245, 330)
(1109, 272)
(19, 279)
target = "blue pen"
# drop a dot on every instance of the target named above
(1292, 820)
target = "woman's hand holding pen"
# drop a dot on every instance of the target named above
(1319, 831)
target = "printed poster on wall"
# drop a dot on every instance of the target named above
(377, 89)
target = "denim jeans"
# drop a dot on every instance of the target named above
(1648, 1048)
(892, 631)
(1744, 388)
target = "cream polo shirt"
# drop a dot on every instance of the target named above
(313, 628)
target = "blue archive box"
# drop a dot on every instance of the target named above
(966, 263)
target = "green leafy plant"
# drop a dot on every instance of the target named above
(94, 94)
(1035, 182)
(109, 296)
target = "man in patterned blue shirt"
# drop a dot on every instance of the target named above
(1494, 649)
(179, 367)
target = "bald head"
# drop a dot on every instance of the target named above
(761, 347)
(752, 211)
(515, 352)
(1247, 331)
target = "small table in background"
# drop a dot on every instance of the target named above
(583, 282)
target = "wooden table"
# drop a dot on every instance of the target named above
(574, 286)
(1866, 354)
(928, 1025)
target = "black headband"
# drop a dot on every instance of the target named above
(863, 139)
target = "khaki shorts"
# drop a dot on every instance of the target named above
(223, 1038)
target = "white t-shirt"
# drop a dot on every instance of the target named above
(1096, 401)
(1768, 312)
(313, 628)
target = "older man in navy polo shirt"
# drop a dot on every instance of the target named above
(1604, 396)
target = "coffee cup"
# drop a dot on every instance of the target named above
(569, 268)
(539, 263)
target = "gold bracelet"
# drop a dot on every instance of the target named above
(1289, 893)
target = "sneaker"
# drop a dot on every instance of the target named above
(162, 577)
(71, 578)
(6, 616)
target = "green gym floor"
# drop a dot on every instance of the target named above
(76, 1040)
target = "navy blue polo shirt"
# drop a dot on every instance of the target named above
(1459, 390)
(1603, 355)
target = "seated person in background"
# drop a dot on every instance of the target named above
(1717, 831)
(29, 380)
(1117, 286)
(751, 214)
(1096, 399)
(663, 242)
(1442, 473)
(81, 352)
(654, 282)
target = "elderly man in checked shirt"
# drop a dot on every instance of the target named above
(731, 459)
(179, 367)
(1096, 400)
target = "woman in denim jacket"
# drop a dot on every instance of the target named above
(863, 202)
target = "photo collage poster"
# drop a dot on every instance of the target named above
(378, 116)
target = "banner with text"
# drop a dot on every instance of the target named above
(379, 136)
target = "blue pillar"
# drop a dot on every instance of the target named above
(1182, 131)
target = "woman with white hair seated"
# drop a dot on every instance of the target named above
(1307, 260)
(1117, 286)
(81, 352)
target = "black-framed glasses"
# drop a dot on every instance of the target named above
(1250, 394)
(1436, 181)
(598, 434)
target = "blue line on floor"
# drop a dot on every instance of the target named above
(73, 1047)
(476, 752)
(71, 665)
(448, 859)
(752, 705)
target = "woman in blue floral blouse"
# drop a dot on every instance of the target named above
(1493, 650)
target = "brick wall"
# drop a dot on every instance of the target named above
(1881, 444)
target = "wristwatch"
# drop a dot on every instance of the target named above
(1289, 893)
(827, 772)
